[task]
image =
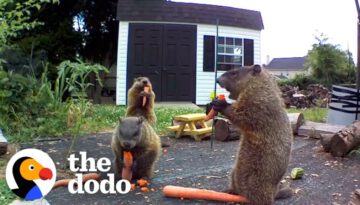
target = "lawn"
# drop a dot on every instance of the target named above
(312, 114)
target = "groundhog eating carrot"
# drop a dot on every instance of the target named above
(136, 135)
(136, 104)
(264, 150)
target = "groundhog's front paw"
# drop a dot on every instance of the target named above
(219, 105)
(229, 191)
(134, 166)
(144, 94)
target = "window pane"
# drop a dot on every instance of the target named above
(221, 58)
(221, 49)
(237, 50)
(221, 40)
(229, 59)
(229, 41)
(238, 41)
(229, 50)
(237, 59)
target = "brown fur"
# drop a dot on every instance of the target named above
(135, 134)
(265, 147)
(135, 99)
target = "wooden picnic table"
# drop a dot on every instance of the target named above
(191, 124)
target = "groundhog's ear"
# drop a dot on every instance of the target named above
(256, 69)
(140, 119)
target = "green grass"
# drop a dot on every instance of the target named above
(104, 118)
(165, 115)
(6, 195)
(97, 118)
(312, 114)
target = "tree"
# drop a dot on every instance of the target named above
(15, 16)
(85, 29)
(329, 64)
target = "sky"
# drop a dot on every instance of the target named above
(291, 25)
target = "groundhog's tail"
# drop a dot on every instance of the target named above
(284, 192)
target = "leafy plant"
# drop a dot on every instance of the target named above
(300, 80)
(6, 196)
(73, 77)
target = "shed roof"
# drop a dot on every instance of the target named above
(292, 63)
(166, 11)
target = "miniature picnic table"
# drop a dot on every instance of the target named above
(187, 125)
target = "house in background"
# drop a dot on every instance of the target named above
(287, 67)
(173, 44)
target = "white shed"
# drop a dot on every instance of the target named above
(173, 44)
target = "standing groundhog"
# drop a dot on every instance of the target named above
(265, 147)
(136, 135)
(135, 100)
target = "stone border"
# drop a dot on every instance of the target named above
(3, 144)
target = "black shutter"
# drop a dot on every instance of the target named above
(209, 53)
(248, 52)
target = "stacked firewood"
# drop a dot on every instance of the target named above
(314, 95)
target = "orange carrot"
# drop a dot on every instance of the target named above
(212, 112)
(202, 194)
(221, 97)
(144, 189)
(142, 182)
(146, 90)
(128, 162)
(86, 177)
(133, 187)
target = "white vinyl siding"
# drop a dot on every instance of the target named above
(205, 80)
(122, 63)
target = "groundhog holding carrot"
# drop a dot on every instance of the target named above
(136, 135)
(265, 147)
(136, 96)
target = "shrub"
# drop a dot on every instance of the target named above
(300, 80)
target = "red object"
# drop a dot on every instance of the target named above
(202, 194)
(45, 173)
(146, 90)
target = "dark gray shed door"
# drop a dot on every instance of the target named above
(165, 53)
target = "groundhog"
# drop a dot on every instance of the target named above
(265, 146)
(136, 135)
(135, 100)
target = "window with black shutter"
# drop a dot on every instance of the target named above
(232, 53)
(248, 52)
(209, 53)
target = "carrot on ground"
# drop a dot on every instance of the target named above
(142, 182)
(144, 189)
(128, 162)
(85, 177)
(201, 194)
(146, 90)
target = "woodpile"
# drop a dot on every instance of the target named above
(224, 130)
(343, 141)
(313, 95)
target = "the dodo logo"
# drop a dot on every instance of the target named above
(30, 174)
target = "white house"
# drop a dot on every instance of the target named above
(173, 44)
(287, 67)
